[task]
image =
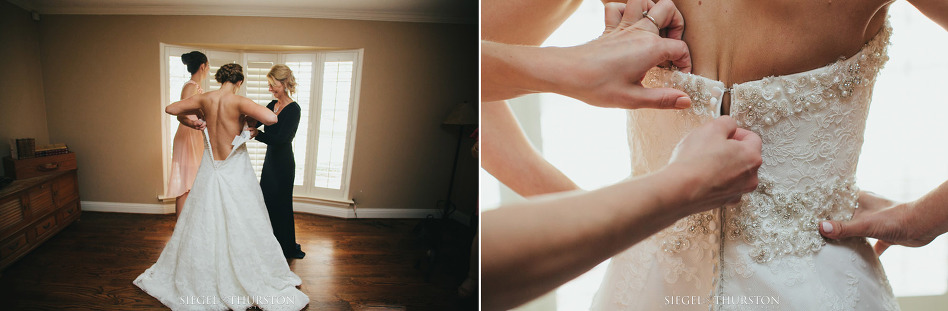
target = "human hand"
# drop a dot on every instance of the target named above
(718, 163)
(192, 122)
(617, 19)
(253, 132)
(890, 222)
(198, 124)
(608, 71)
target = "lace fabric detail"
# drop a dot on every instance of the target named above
(761, 103)
(778, 223)
(706, 94)
(811, 125)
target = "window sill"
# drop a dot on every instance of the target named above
(163, 199)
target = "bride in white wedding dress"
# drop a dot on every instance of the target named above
(766, 252)
(222, 254)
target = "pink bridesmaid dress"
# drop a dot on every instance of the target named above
(187, 150)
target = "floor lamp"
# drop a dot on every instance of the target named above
(462, 114)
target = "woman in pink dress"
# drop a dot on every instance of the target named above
(188, 146)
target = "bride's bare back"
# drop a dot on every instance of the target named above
(225, 119)
(225, 114)
(746, 40)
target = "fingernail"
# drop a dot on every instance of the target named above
(683, 102)
(827, 227)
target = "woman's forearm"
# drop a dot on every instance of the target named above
(509, 71)
(508, 155)
(533, 247)
(930, 213)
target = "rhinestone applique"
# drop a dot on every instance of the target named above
(705, 99)
(821, 141)
(767, 101)
(777, 223)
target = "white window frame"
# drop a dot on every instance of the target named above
(307, 190)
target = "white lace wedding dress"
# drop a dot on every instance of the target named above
(767, 254)
(222, 254)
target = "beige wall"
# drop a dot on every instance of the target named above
(103, 97)
(22, 108)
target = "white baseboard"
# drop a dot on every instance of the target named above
(132, 208)
(324, 209)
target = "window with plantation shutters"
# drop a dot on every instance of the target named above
(326, 91)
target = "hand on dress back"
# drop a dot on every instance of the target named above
(608, 71)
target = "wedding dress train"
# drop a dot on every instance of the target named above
(222, 254)
(764, 253)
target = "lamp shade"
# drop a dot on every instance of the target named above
(462, 114)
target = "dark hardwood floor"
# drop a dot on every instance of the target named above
(355, 264)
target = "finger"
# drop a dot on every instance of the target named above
(725, 125)
(843, 229)
(666, 15)
(677, 52)
(748, 137)
(742, 134)
(673, 23)
(869, 201)
(659, 98)
(633, 17)
(614, 13)
(880, 247)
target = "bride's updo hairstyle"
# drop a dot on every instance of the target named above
(232, 73)
(194, 60)
(283, 74)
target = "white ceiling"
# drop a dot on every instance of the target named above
(435, 11)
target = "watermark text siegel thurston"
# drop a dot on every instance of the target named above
(214, 300)
(722, 300)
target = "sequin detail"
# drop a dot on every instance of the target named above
(776, 222)
(767, 101)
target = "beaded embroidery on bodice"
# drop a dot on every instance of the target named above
(811, 124)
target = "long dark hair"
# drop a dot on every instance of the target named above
(194, 60)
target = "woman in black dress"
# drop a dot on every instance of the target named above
(279, 166)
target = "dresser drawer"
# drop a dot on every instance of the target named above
(41, 200)
(13, 246)
(11, 212)
(45, 227)
(69, 212)
(32, 167)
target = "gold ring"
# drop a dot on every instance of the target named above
(645, 15)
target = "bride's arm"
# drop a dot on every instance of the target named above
(936, 10)
(189, 106)
(260, 113)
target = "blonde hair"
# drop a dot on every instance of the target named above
(283, 74)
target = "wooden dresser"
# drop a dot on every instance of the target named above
(34, 209)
